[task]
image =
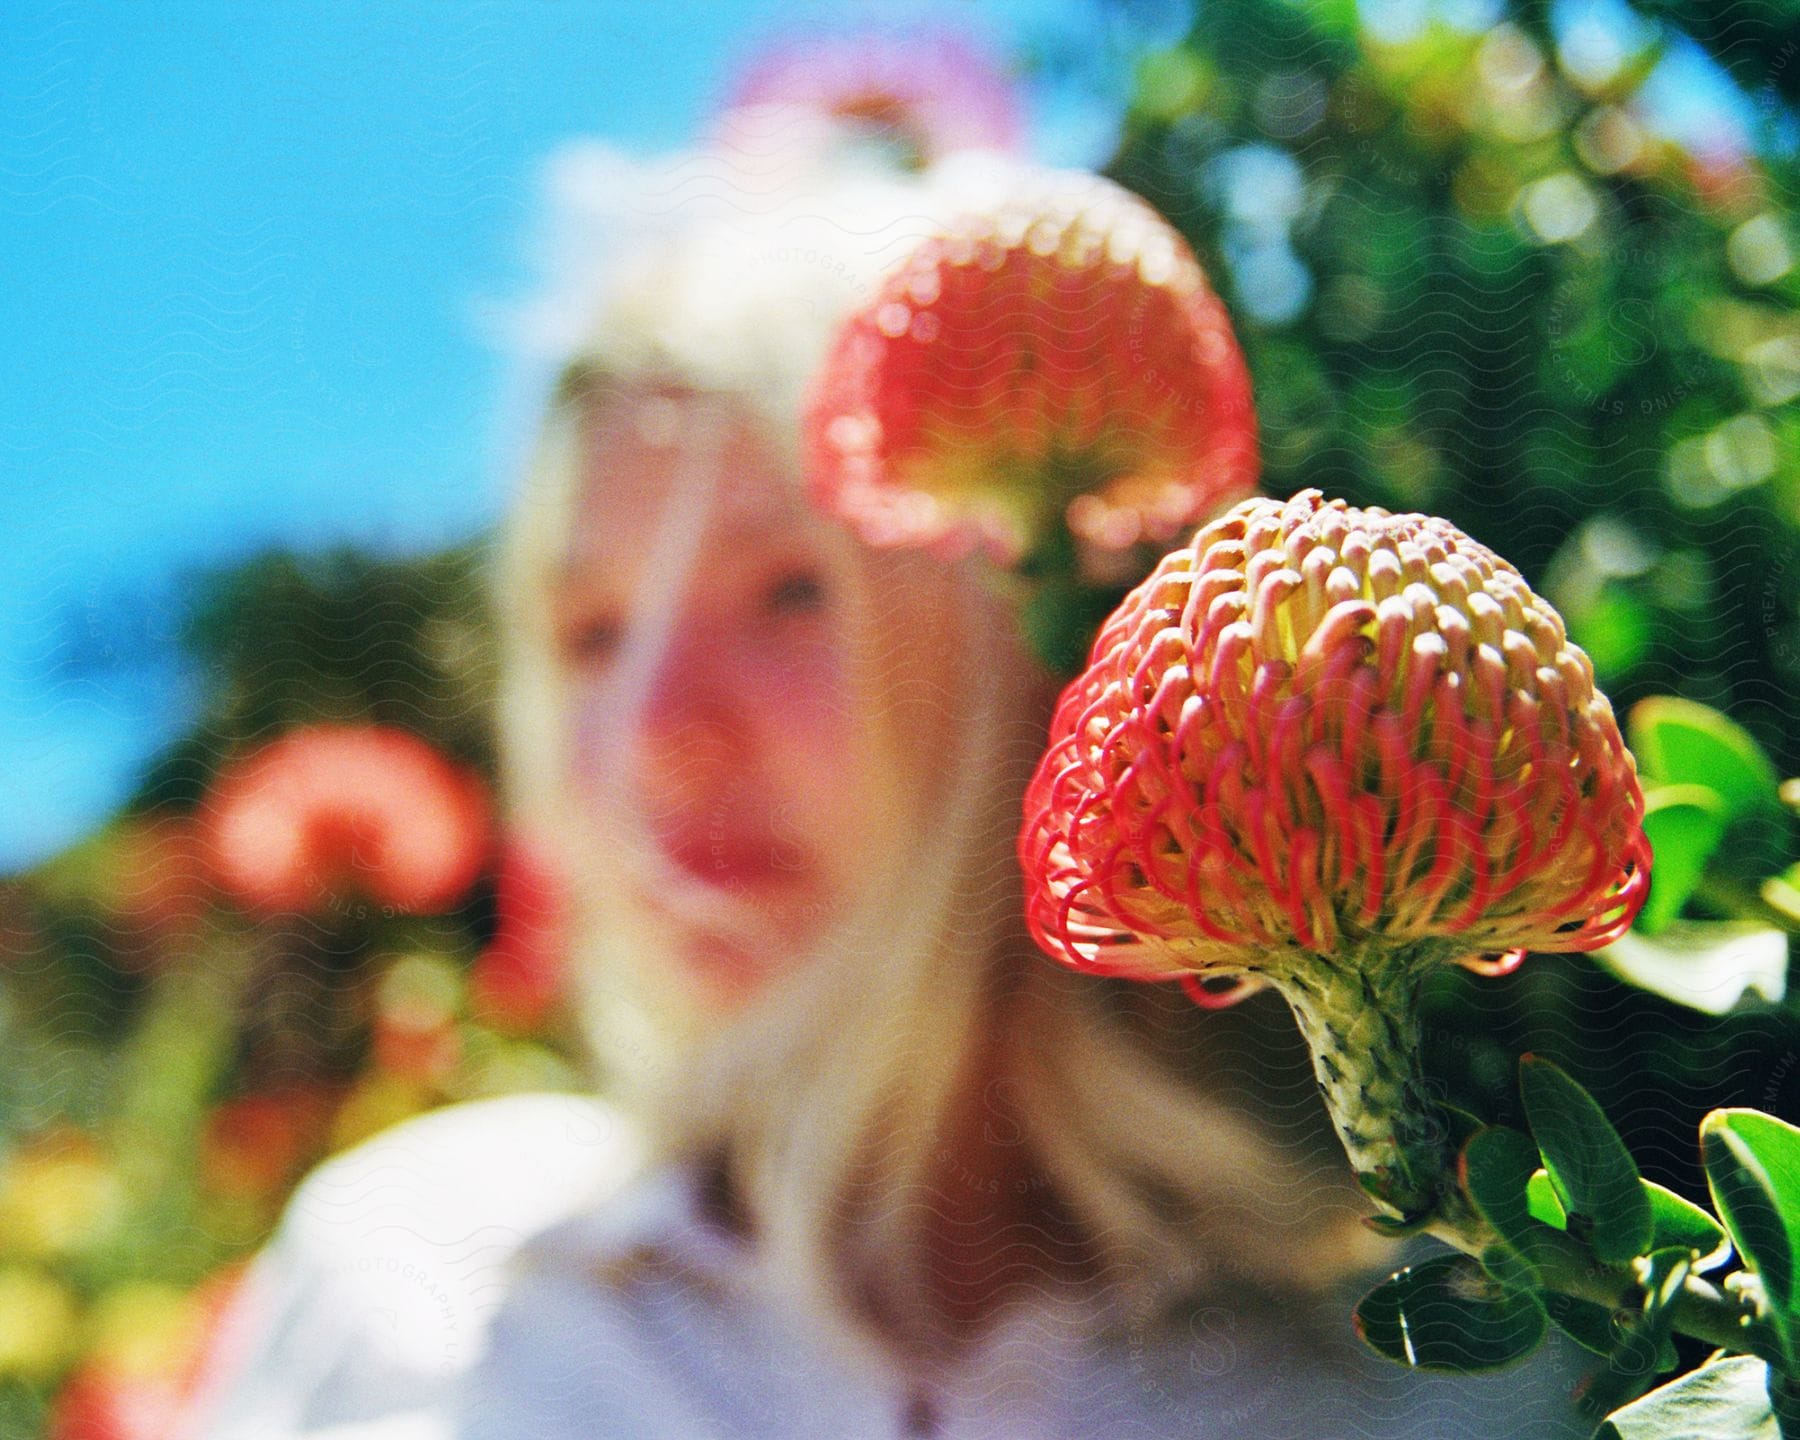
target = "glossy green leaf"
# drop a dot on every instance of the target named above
(1447, 1314)
(1540, 1196)
(1595, 1178)
(1681, 742)
(1707, 965)
(1495, 1170)
(1586, 1323)
(1675, 1221)
(1775, 1143)
(1724, 1399)
(1684, 824)
(1508, 1268)
(1753, 1165)
(1744, 1199)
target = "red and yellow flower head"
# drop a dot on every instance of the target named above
(1315, 730)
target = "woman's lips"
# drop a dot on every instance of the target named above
(740, 862)
(773, 879)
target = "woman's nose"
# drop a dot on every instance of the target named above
(694, 741)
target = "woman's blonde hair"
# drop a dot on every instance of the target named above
(828, 1096)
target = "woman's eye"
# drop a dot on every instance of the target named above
(798, 592)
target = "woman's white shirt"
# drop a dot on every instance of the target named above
(503, 1270)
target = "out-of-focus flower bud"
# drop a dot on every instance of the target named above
(1053, 356)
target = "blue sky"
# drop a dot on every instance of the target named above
(247, 246)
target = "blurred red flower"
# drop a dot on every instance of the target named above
(256, 1144)
(1055, 354)
(518, 977)
(149, 1363)
(103, 1404)
(332, 813)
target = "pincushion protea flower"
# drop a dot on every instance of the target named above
(1054, 355)
(333, 811)
(1324, 749)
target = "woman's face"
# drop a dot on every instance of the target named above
(728, 737)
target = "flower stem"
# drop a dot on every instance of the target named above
(1701, 1310)
(1359, 1014)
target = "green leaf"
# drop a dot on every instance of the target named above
(1676, 1221)
(1616, 630)
(1707, 965)
(1509, 1269)
(1661, 1274)
(1446, 1314)
(1784, 1400)
(1495, 1170)
(1540, 1196)
(1458, 1124)
(1673, 1221)
(1681, 742)
(1631, 1368)
(1722, 1400)
(1782, 893)
(1684, 824)
(1753, 1166)
(1776, 1144)
(1741, 1193)
(1593, 1173)
(1586, 1323)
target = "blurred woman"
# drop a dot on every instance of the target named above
(869, 1164)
